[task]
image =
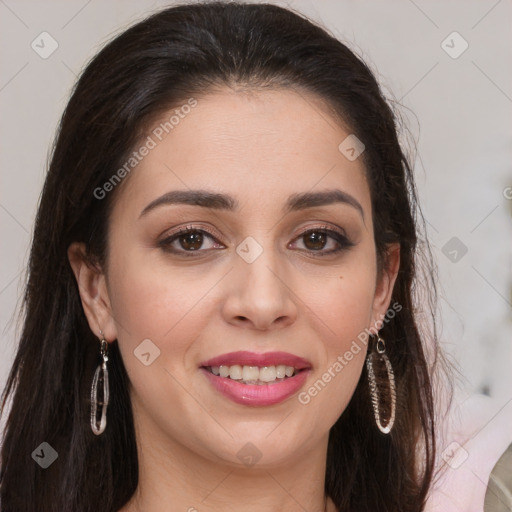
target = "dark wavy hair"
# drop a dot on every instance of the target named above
(183, 51)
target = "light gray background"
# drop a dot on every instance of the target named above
(459, 112)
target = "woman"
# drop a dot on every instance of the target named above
(219, 311)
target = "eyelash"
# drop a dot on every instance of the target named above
(341, 239)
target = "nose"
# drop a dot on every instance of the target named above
(260, 295)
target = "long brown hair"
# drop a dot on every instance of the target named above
(154, 65)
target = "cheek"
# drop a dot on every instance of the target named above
(344, 306)
(344, 299)
(167, 306)
(150, 295)
(345, 313)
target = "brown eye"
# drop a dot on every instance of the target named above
(189, 240)
(318, 239)
(315, 240)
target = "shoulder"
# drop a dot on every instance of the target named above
(473, 436)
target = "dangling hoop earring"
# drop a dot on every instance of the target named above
(380, 348)
(100, 379)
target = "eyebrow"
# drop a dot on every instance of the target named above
(218, 201)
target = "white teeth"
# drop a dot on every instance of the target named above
(254, 374)
(250, 373)
(268, 373)
(235, 372)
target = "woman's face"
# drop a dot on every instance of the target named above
(246, 278)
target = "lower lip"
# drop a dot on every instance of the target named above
(253, 394)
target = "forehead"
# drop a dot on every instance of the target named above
(259, 146)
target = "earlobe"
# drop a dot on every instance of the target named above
(93, 291)
(386, 282)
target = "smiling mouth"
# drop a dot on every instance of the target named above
(255, 375)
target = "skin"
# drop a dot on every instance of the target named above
(260, 147)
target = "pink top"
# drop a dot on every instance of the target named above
(475, 434)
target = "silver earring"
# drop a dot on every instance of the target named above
(100, 379)
(380, 349)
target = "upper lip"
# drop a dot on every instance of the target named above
(244, 358)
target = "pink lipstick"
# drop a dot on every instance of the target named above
(250, 378)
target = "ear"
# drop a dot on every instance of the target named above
(93, 290)
(385, 283)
